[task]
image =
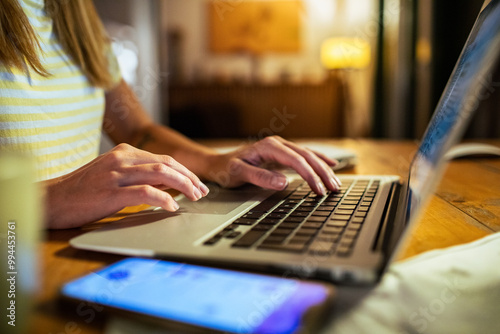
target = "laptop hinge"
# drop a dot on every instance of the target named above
(387, 222)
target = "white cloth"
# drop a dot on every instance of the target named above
(452, 290)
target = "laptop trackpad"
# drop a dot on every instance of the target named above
(221, 201)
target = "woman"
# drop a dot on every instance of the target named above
(59, 83)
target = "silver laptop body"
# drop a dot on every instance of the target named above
(225, 227)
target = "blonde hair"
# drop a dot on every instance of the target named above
(77, 27)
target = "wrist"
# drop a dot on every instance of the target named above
(209, 166)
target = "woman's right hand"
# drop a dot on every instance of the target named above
(124, 176)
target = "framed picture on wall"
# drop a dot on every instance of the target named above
(254, 26)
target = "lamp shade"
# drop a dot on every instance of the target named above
(345, 52)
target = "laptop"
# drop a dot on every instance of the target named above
(347, 237)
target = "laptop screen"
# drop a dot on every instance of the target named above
(470, 82)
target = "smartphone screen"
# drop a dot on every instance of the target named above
(213, 298)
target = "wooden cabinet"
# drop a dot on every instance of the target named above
(256, 111)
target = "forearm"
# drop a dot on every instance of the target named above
(127, 122)
(162, 140)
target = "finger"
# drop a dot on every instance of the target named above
(319, 165)
(158, 174)
(259, 176)
(330, 161)
(133, 156)
(275, 150)
(174, 164)
(146, 194)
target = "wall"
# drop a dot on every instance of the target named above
(321, 19)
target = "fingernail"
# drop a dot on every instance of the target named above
(197, 193)
(204, 189)
(175, 206)
(336, 182)
(279, 182)
(333, 184)
(321, 188)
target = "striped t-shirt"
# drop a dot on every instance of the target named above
(56, 119)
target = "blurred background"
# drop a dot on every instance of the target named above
(296, 68)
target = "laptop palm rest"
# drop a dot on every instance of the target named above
(220, 201)
(155, 231)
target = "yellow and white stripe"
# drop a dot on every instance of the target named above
(57, 119)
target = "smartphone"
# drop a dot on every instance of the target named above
(204, 298)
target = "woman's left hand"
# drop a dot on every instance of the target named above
(247, 165)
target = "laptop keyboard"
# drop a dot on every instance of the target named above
(298, 220)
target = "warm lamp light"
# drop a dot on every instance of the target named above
(345, 52)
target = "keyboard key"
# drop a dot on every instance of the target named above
(311, 225)
(233, 235)
(358, 220)
(211, 241)
(336, 223)
(276, 215)
(295, 197)
(317, 219)
(299, 214)
(331, 203)
(324, 207)
(269, 221)
(270, 202)
(300, 239)
(349, 234)
(293, 220)
(343, 250)
(332, 230)
(293, 248)
(306, 232)
(274, 239)
(289, 201)
(288, 225)
(340, 217)
(321, 247)
(282, 231)
(302, 193)
(333, 238)
(346, 207)
(262, 227)
(252, 215)
(244, 221)
(321, 213)
(249, 238)
(282, 210)
(354, 226)
(344, 212)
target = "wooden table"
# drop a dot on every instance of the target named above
(466, 207)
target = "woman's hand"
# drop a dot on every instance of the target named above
(247, 164)
(124, 176)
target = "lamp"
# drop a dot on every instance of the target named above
(345, 57)
(345, 53)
